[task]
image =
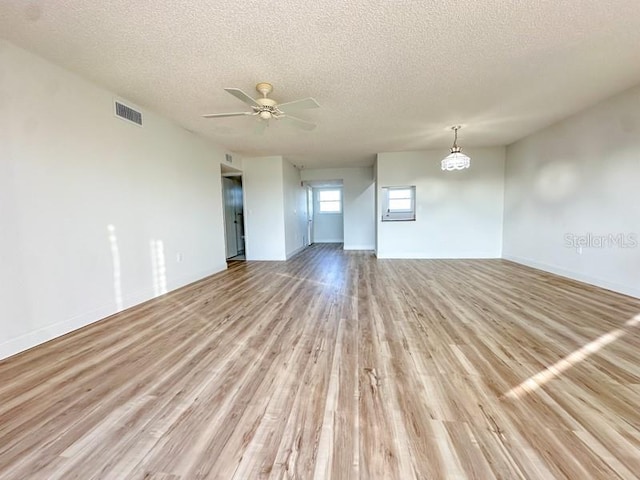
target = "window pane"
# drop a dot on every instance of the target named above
(330, 207)
(329, 195)
(399, 204)
(400, 193)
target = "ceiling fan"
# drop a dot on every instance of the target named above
(266, 108)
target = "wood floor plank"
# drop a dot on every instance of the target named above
(337, 365)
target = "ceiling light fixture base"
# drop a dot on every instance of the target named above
(264, 88)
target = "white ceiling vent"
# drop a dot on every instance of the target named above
(127, 113)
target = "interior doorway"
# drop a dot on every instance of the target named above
(233, 202)
(325, 219)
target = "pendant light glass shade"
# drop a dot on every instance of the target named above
(456, 160)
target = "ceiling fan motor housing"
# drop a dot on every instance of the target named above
(268, 108)
(266, 102)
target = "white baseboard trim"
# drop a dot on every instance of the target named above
(598, 282)
(49, 332)
(424, 256)
(337, 240)
(41, 335)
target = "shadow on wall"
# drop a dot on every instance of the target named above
(557, 181)
(552, 184)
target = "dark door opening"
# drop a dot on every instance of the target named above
(233, 217)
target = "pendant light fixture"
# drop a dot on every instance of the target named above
(456, 160)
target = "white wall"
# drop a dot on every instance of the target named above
(295, 210)
(580, 176)
(358, 203)
(376, 199)
(263, 183)
(458, 214)
(327, 227)
(70, 171)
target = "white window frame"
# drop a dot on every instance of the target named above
(320, 201)
(398, 215)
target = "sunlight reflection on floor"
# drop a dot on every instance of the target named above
(540, 378)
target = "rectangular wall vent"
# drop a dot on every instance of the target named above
(127, 113)
(228, 157)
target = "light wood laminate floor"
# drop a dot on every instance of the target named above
(338, 365)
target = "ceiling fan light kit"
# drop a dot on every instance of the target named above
(265, 108)
(456, 160)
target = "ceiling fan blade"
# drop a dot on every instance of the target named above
(298, 122)
(240, 95)
(219, 115)
(298, 105)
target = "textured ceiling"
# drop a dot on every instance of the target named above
(389, 75)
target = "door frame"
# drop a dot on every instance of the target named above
(242, 234)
